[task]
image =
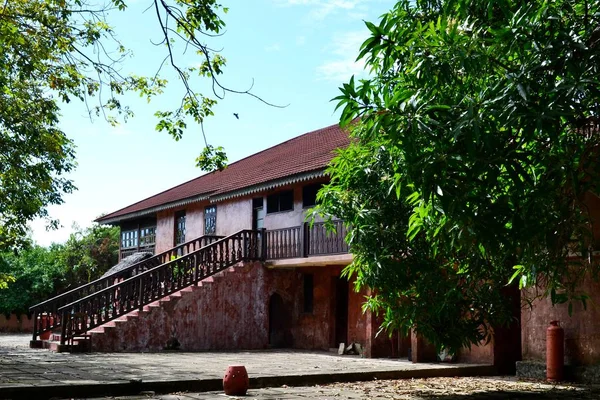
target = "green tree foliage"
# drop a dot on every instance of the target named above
(38, 273)
(476, 148)
(54, 51)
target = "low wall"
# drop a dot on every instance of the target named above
(16, 323)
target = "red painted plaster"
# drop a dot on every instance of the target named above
(582, 329)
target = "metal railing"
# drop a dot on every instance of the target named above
(134, 293)
(46, 316)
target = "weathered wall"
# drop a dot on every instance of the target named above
(16, 323)
(194, 221)
(231, 313)
(357, 320)
(316, 330)
(582, 329)
(234, 215)
(286, 219)
(481, 354)
(165, 228)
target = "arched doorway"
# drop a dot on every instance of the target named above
(279, 317)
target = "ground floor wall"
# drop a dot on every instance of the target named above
(253, 307)
(582, 327)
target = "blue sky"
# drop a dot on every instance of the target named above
(297, 51)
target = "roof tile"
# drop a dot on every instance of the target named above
(311, 151)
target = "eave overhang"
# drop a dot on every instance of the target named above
(273, 184)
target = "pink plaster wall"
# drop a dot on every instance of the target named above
(16, 323)
(165, 228)
(481, 354)
(234, 215)
(194, 221)
(582, 329)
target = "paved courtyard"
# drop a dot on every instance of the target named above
(25, 369)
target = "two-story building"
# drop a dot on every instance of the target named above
(235, 266)
(294, 297)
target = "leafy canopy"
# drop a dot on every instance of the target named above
(475, 161)
(54, 51)
(37, 273)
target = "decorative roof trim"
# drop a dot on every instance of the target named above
(288, 180)
(302, 177)
(153, 210)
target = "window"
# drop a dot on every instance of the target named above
(129, 239)
(308, 293)
(309, 194)
(179, 227)
(282, 201)
(258, 213)
(147, 236)
(210, 220)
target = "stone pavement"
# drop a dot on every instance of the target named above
(37, 373)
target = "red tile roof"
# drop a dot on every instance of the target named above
(303, 154)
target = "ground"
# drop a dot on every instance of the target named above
(34, 373)
(496, 388)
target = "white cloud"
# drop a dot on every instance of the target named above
(345, 47)
(321, 9)
(273, 48)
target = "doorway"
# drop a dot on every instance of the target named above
(258, 213)
(279, 319)
(341, 311)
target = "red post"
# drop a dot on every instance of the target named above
(555, 352)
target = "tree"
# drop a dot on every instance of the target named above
(474, 162)
(54, 51)
(37, 273)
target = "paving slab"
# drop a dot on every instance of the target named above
(38, 373)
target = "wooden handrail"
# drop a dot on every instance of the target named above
(45, 314)
(153, 284)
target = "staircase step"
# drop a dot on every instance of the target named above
(188, 289)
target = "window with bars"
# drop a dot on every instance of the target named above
(179, 227)
(147, 236)
(210, 220)
(129, 239)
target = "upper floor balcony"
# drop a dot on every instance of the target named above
(284, 247)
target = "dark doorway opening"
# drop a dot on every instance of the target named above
(341, 311)
(279, 318)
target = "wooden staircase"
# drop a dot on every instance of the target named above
(110, 302)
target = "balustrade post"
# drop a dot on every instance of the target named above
(141, 295)
(63, 331)
(35, 325)
(304, 240)
(263, 244)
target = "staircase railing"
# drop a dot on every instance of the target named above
(134, 293)
(46, 316)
